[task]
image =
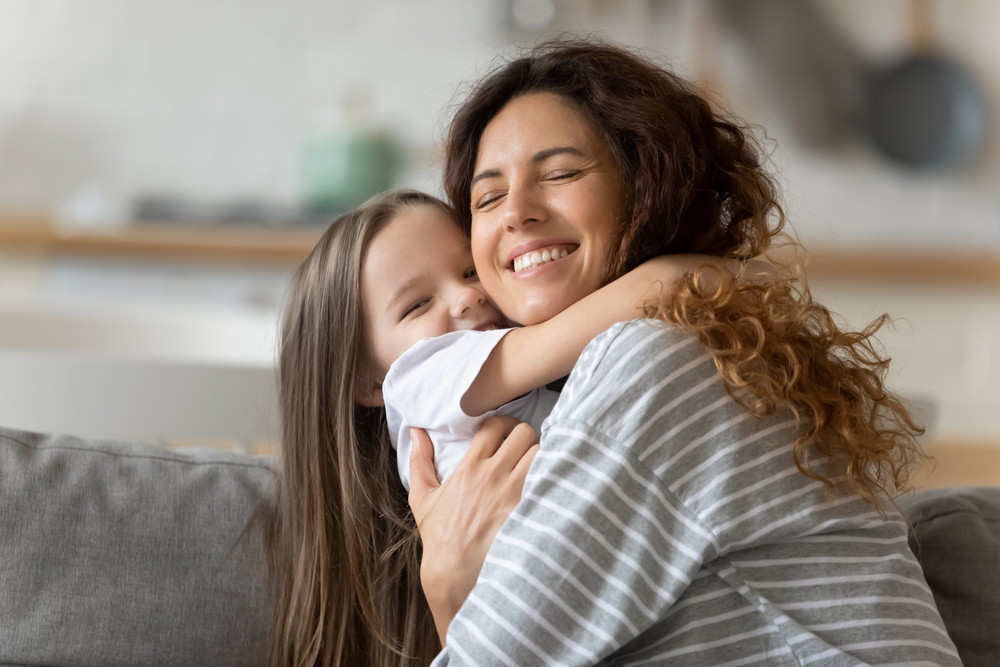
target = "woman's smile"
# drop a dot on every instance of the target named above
(546, 206)
(530, 256)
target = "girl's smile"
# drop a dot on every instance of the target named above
(418, 281)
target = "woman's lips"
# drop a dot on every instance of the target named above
(531, 256)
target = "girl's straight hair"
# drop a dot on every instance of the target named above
(343, 551)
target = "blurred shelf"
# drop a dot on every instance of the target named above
(959, 464)
(237, 243)
(910, 266)
(291, 244)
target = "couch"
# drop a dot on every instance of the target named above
(119, 553)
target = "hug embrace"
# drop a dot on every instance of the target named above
(712, 484)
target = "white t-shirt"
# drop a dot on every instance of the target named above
(425, 386)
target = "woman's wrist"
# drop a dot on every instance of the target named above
(436, 585)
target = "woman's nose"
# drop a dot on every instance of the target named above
(524, 206)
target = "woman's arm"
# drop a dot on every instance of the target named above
(598, 548)
(533, 356)
(642, 481)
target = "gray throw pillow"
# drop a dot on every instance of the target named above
(117, 553)
(956, 537)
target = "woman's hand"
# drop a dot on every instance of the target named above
(459, 519)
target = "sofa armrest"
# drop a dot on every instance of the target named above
(956, 537)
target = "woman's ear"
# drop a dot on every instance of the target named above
(367, 392)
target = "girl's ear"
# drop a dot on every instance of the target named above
(367, 392)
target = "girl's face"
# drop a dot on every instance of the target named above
(546, 203)
(418, 281)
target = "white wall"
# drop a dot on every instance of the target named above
(211, 98)
(851, 196)
(215, 99)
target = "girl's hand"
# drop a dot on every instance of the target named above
(655, 278)
(459, 519)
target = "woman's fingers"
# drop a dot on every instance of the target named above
(521, 469)
(458, 519)
(515, 446)
(491, 435)
(423, 475)
(522, 466)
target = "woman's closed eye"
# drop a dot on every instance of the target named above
(563, 174)
(488, 199)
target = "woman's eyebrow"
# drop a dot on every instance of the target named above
(489, 173)
(540, 156)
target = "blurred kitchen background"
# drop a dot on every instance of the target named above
(164, 164)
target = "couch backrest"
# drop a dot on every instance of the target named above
(118, 553)
(956, 538)
(115, 553)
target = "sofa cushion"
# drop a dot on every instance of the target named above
(956, 537)
(117, 553)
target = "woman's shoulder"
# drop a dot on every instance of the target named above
(640, 329)
(631, 357)
(641, 340)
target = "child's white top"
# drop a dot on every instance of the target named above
(425, 386)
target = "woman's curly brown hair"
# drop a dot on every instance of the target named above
(695, 182)
(775, 347)
(693, 177)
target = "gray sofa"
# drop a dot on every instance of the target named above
(117, 553)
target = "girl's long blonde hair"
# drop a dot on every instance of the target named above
(343, 551)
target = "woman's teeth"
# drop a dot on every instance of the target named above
(535, 258)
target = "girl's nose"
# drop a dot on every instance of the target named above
(468, 297)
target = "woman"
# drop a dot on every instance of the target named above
(599, 151)
(709, 493)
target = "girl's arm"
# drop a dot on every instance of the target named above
(533, 356)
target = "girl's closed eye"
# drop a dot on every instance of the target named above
(414, 307)
(471, 274)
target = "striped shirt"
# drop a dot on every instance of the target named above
(661, 524)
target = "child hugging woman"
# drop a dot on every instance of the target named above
(713, 485)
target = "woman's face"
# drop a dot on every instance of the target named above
(546, 203)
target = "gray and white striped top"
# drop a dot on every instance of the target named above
(661, 524)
